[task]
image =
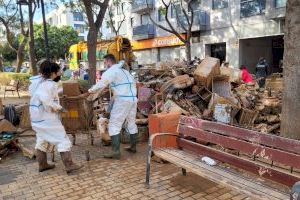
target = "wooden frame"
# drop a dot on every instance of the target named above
(12, 87)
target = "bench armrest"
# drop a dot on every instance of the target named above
(152, 137)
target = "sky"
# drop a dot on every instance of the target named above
(38, 13)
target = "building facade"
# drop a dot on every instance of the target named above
(238, 31)
(63, 16)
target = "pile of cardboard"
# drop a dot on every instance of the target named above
(206, 90)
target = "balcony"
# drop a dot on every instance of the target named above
(143, 32)
(276, 9)
(201, 21)
(140, 6)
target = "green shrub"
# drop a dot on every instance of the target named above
(6, 77)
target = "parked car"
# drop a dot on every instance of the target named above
(9, 69)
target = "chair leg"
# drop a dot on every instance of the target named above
(183, 171)
(18, 94)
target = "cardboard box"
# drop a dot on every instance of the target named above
(206, 70)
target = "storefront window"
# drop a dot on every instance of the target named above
(252, 7)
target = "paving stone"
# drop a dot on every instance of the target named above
(101, 179)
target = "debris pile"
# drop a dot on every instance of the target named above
(206, 90)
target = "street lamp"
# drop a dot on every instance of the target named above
(26, 2)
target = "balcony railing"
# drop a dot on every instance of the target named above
(140, 6)
(143, 32)
(201, 20)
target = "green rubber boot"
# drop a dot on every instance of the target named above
(132, 147)
(115, 143)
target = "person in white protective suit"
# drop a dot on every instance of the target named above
(44, 114)
(124, 107)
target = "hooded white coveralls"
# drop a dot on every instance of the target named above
(45, 121)
(125, 101)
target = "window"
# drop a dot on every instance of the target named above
(173, 11)
(79, 28)
(195, 5)
(131, 21)
(252, 7)
(144, 19)
(219, 4)
(119, 9)
(161, 14)
(280, 3)
(77, 16)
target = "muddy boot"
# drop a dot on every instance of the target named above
(67, 160)
(42, 160)
(132, 147)
(115, 143)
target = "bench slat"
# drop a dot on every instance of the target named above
(220, 175)
(256, 168)
(268, 153)
(284, 144)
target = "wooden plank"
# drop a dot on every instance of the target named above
(267, 153)
(220, 175)
(256, 168)
(274, 141)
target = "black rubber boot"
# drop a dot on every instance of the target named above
(70, 166)
(42, 160)
(132, 147)
(115, 143)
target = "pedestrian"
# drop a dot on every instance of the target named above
(45, 120)
(125, 103)
(246, 77)
(261, 71)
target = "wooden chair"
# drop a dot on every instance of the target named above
(13, 86)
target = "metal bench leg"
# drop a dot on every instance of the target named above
(183, 171)
(148, 166)
(18, 94)
(74, 139)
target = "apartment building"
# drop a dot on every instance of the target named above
(238, 31)
(63, 16)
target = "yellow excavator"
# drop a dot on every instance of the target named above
(120, 47)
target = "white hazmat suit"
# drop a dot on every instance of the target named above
(125, 101)
(45, 121)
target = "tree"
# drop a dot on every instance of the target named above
(8, 54)
(94, 11)
(115, 27)
(184, 19)
(11, 20)
(31, 10)
(59, 38)
(291, 72)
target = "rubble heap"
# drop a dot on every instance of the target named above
(206, 90)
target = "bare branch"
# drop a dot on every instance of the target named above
(111, 21)
(122, 21)
(96, 2)
(173, 30)
(182, 25)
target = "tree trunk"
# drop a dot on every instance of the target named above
(92, 46)
(20, 55)
(1, 64)
(290, 127)
(188, 51)
(31, 41)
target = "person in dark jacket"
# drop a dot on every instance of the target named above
(261, 71)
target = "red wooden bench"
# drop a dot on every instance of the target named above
(273, 162)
